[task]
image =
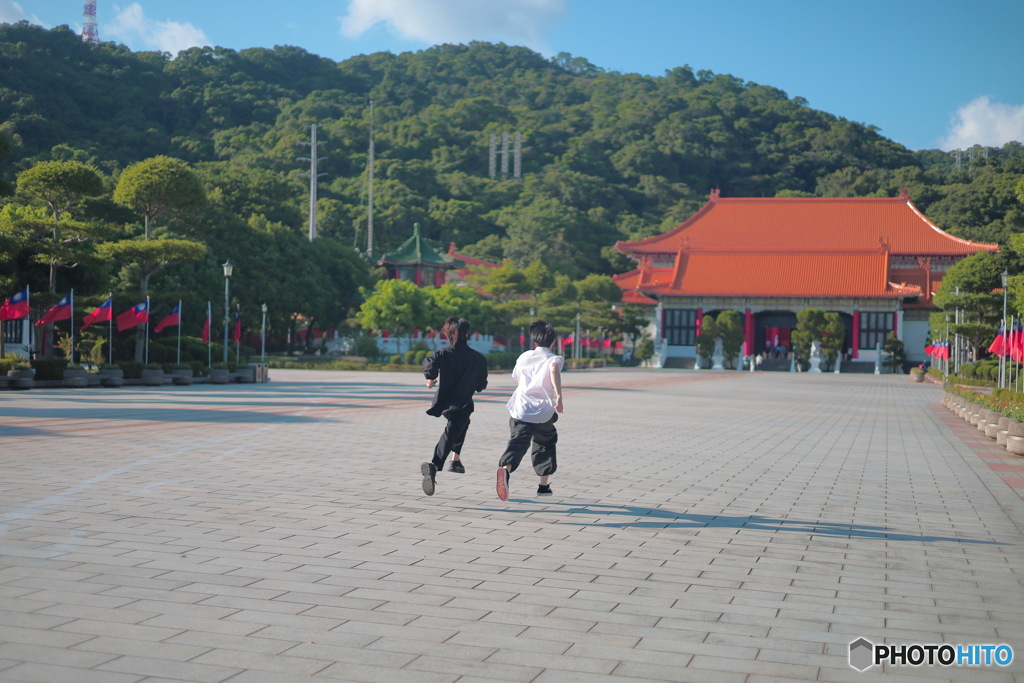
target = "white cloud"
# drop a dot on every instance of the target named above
(11, 13)
(517, 22)
(984, 122)
(140, 32)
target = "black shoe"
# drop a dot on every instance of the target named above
(429, 471)
(544, 490)
(457, 467)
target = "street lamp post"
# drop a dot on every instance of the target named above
(263, 335)
(228, 269)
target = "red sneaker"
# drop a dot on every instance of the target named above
(502, 486)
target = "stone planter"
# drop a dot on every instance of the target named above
(182, 376)
(152, 378)
(22, 379)
(246, 375)
(1001, 434)
(111, 377)
(917, 376)
(1015, 437)
(76, 377)
(986, 417)
(220, 376)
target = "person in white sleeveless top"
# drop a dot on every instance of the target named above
(534, 408)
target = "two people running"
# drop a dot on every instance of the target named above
(458, 372)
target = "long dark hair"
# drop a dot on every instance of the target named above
(456, 331)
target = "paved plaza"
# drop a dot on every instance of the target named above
(705, 527)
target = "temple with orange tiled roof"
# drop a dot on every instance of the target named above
(875, 261)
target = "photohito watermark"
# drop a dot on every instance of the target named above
(864, 654)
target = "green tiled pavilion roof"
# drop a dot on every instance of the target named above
(418, 251)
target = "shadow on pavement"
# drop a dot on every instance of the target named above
(654, 518)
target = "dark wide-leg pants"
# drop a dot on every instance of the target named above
(544, 436)
(454, 435)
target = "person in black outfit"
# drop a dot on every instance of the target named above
(458, 372)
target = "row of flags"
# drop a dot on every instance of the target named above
(17, 307)
(938, 350)
(1009, 343)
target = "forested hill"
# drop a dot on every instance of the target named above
(606, 156)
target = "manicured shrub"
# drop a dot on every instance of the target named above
(49, 368)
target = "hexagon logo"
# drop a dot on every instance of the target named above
(862, 654)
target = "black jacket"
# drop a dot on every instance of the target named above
(462, 371)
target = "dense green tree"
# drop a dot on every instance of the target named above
(156, 186)
(812, 325)
(60, 185)
(396, 305)
(970, 290)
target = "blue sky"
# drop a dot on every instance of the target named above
(928, 73)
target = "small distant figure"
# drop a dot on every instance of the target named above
(462, 372)
(534, 408)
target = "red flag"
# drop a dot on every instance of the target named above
(136, 315)
(62, 311)
(101, 314)
(206, 325)
(997, 346)
(1017, 345)
(238, 326)
(15, 307)
(171, 319)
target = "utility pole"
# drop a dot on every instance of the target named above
(313, 176)
(369, 202)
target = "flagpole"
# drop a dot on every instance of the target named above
(238, 336)
(147, 330)
(209, 351)
(71, 323)
(179, 332)
(28, 319)
(110, 324)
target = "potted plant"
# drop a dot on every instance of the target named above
(1015, 430)
(76, 376)
(111, 376)
(22, 375)
(182, 375)
(219, 374)
(153, 375)
(917, 374)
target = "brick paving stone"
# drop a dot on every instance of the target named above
(705, 527)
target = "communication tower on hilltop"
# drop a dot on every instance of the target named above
(90, 33)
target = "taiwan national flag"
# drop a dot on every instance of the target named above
(171, 319)
(100, 315)
(136, 315)
(62, 311)
(1017, 342)
(998, 345)
(238, 326)
(15, 307)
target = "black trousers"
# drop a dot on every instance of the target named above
(454, 435)
(544, 436)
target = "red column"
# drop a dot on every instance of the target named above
(895, 323)
(856, 334)
(748, 333)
